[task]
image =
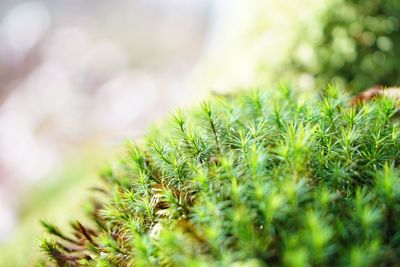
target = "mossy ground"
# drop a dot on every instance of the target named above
(253, 179)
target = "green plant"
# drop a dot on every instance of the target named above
(255, 179)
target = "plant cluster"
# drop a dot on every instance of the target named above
(255, 179)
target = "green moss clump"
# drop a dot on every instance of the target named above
(251, 180)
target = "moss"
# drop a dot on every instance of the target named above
(254, 179)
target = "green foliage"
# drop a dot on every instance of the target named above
(353, 42)
(251, 180)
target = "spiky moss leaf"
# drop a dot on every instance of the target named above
(252, 180)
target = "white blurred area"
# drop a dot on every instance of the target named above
(77, 72)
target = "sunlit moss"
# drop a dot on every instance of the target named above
(253, 179)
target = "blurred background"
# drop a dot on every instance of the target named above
(77, 78)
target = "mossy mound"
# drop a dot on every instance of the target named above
(254, 179)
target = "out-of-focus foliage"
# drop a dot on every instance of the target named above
(251, 180)
(356, 46)
(352, 43)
